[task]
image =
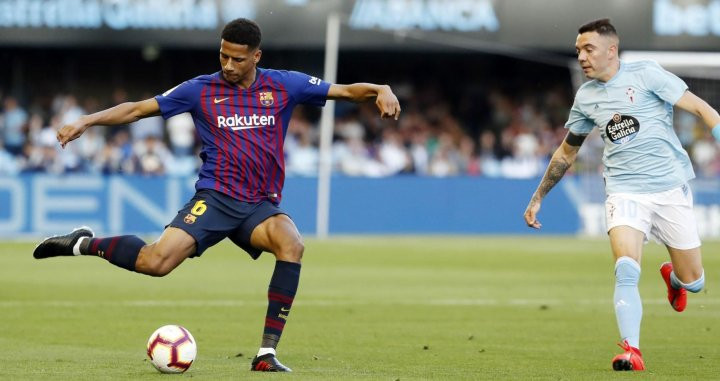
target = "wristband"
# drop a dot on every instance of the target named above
(716, 132)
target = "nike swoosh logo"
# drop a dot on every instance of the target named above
(283, 309)
(245, 127)
(219, 100)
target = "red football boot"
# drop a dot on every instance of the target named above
(631, 359)
(676, 296)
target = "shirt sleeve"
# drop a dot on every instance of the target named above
(578, 123)
(666, 85)
(181, 98)
(306, 89)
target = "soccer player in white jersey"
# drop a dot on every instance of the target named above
(646, 172)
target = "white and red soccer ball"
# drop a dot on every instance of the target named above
(171, 349)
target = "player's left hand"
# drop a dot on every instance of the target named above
(531, 215)
(387, 103)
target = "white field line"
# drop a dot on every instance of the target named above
(330, 303)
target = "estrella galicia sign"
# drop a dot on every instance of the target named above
(622, 128)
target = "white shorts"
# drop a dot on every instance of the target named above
(667, 216)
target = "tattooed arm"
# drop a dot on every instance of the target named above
(561, 161)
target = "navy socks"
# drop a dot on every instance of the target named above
(283, 285)
(121, 251)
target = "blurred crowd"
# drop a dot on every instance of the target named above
(498, 134)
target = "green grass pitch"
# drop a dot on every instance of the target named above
(369, 308)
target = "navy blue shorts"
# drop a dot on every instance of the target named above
(210, 216)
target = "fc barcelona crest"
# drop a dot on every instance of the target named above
(266, 98)
(190, 219)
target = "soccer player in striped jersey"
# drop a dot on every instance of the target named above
(646, 173)
(241, 114)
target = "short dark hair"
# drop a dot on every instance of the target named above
(243, 32)
(601, 26)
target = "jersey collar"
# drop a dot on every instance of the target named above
(258, 72)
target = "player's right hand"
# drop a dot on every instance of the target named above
(531, 213)
(387, 103)
(70, 132)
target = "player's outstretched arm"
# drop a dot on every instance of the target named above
(561, 161)
(694, 104)
(385, 100)
(121, 114)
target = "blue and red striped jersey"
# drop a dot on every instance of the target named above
(243, 130)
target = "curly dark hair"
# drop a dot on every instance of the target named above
(601, 26)
(243, 32)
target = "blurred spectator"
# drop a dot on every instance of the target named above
(304, 157)
(419, 152)
(68, 109)
(523, 163)
(706, 155)
(354, 159)
(42, 157)
(35, 125)
(392, 153)
(12, 125)
(151, 156)
(488, 161)
(89, 147)
(147, 127)
(8, 164)
(152, 126)
(438, 134)
(443, 161)
(115, 157)
(181, 133)
(468, 161)
(416, 129)
(349, 128)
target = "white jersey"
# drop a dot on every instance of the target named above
(634, 114)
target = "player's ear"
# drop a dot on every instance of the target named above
(614, 50)
(613, 47)
(257, 55)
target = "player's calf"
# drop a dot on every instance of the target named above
(121, 251)
(281, 293)
(157, 261)
(628, 304)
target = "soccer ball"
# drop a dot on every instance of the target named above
(171, 349)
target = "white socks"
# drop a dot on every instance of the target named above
(264, 351)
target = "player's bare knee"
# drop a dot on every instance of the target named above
(291, 252)
(296, 250)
